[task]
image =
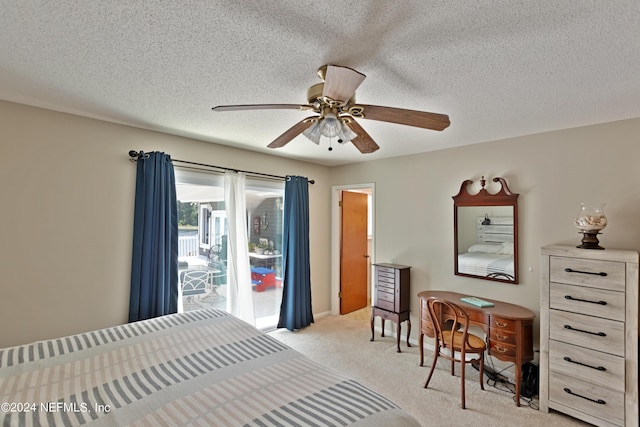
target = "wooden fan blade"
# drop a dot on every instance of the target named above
(262, 107)
(340, 83)
(420, 119)
(363, 141)
(292, 132)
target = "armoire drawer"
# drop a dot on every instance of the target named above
(595, 367)
(386, 282)
(386, 296)
(590, 301)
(596, 401)
(385, 305)
(585, 331)
(588, 272)
(386, 272)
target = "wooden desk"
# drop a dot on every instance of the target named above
(508, 327)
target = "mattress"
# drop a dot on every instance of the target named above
(202, 367)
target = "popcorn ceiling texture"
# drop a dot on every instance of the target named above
(499, 69)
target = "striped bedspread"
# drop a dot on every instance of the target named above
(198, 368)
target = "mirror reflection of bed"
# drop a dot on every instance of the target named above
(485, 242)
(486, 232)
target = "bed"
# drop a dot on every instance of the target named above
(492, 253)
(202, 367)
(486, 265)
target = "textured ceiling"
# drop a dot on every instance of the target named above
(498, 68)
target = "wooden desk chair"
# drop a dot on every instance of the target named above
(452, 339)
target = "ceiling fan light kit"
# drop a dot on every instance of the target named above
(334, 102)
(314, 133)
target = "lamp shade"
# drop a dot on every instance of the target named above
(330, 125)
(313, 132)
(346, 133)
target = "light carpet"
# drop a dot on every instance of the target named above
(342, 342)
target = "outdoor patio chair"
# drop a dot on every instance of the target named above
(194, 283)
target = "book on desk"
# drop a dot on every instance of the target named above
(477, 302)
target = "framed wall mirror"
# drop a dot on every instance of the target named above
(486, 233)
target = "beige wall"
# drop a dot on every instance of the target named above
(553, 172)
(67, 191)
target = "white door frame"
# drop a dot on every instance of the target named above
(335, 238)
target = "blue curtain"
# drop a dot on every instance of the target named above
(154, 265)
(295, 310)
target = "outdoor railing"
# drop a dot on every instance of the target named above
(187, 246)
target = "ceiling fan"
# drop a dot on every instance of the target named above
(333, 102)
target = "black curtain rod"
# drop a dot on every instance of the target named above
(135, 155)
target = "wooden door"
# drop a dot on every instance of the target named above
(354, 257)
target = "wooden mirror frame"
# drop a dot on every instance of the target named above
(504, 197)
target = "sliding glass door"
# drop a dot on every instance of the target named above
(203, 243)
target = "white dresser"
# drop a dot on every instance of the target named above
(589, 334)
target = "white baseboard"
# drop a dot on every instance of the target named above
(323, 314)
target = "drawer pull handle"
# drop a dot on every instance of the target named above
(501, 337)
(585, 300)
(599, 368)
(600, 334)
(501, 350)
(501, 325)
(570, 270)
(598, 401)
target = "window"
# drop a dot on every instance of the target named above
(204, 227)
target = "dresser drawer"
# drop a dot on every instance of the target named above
(588, 272)
(587, 331)
(596, 401)
(590, 301)
(597, 368)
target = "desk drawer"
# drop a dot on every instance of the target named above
(596, 401)
(597, 368)
(503, 324)
(588, 272)
(502, 350)
(426, 327)
(586, 331)
(505, 337)
(590, 301)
